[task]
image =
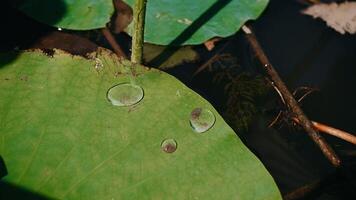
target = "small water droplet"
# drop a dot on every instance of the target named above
(125, 94)
(169, 145)
(201, 119)
(98, 64)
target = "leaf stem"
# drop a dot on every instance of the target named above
(139, 26)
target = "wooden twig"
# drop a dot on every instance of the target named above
(139, 26)
(332, 131)
(308, 92)
(206, 64)
(302, 191)
(111, 39)
(289, 99)
(308, 2)
(317, 125)
(212, 59)
(276, 119)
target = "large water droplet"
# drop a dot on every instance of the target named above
(201, 119)
(125, 94)
(169, 145)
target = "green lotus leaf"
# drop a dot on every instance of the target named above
(181, 22)
(61, 137)
(68, 14)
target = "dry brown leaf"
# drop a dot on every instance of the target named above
(71, 43)
(341, 17)
(122, 16)
(210, 44)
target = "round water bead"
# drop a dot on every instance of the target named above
(201, 119)
(125, 94)
(169, 145)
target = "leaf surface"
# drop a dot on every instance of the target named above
(183, 22)
(69, 14)
(62, 138)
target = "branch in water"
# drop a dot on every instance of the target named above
(291, 103)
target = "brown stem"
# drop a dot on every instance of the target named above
(332, 131)
(212, 59)
(308, 2)
(206, 64)
(302, 191)
(110, 38)
(289, 99)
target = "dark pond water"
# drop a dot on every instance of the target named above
(306, 53)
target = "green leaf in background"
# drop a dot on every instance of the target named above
(62, 138)
(69, 14)
(196, 21)
(184, 54)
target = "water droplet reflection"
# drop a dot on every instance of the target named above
(98, 64)
(125, 94)
(201, 120)
(169, 145)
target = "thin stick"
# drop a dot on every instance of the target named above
(302, 191)
(212, 59)
(110, 38)
(139, 26)
(308, 2)
(335, 132)
(332, 131)
(289, 99)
